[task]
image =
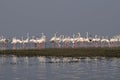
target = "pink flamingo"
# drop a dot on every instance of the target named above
(54, 40)
(41, 42)
(3, 41)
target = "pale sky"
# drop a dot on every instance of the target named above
(17, 17)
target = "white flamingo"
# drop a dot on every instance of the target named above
(25, 42)
(96, 41)
(114, 41)
(33, 42)
(87, 40)
(73, 39)
(105, 42)
(15, 41)
(3, 41)
(80, 40)
(41, 42)
(66, 41)
(55, 41)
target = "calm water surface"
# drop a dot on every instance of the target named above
(54, 68)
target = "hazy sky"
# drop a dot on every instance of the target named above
(17, 17)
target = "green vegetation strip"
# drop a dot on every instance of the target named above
(65, 52)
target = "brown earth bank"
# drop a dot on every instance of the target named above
(66, 52)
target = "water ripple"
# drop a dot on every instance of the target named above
(59, 68)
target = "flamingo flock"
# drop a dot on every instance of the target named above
(76, 41)
(27, 43)
(60, 41)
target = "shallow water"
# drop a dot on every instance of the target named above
(54, 68)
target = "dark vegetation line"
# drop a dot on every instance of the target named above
(66, 52)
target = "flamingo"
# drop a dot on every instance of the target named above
(15, 41)
(119, 40)
(79, 40)
(96, 41)
(55, 40)
(41, 41)
(33, 42)
(76, 39)
(87, 40)
(26, 41)
(73, 41)
(105, 41)
(66, 41)
(61, 41)
(114, 41)
(3, 41)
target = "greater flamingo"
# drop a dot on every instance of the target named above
(25, 42)
(105, 42)
(41, 41)
(3, 41)
(15, 41)
(55, 40)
